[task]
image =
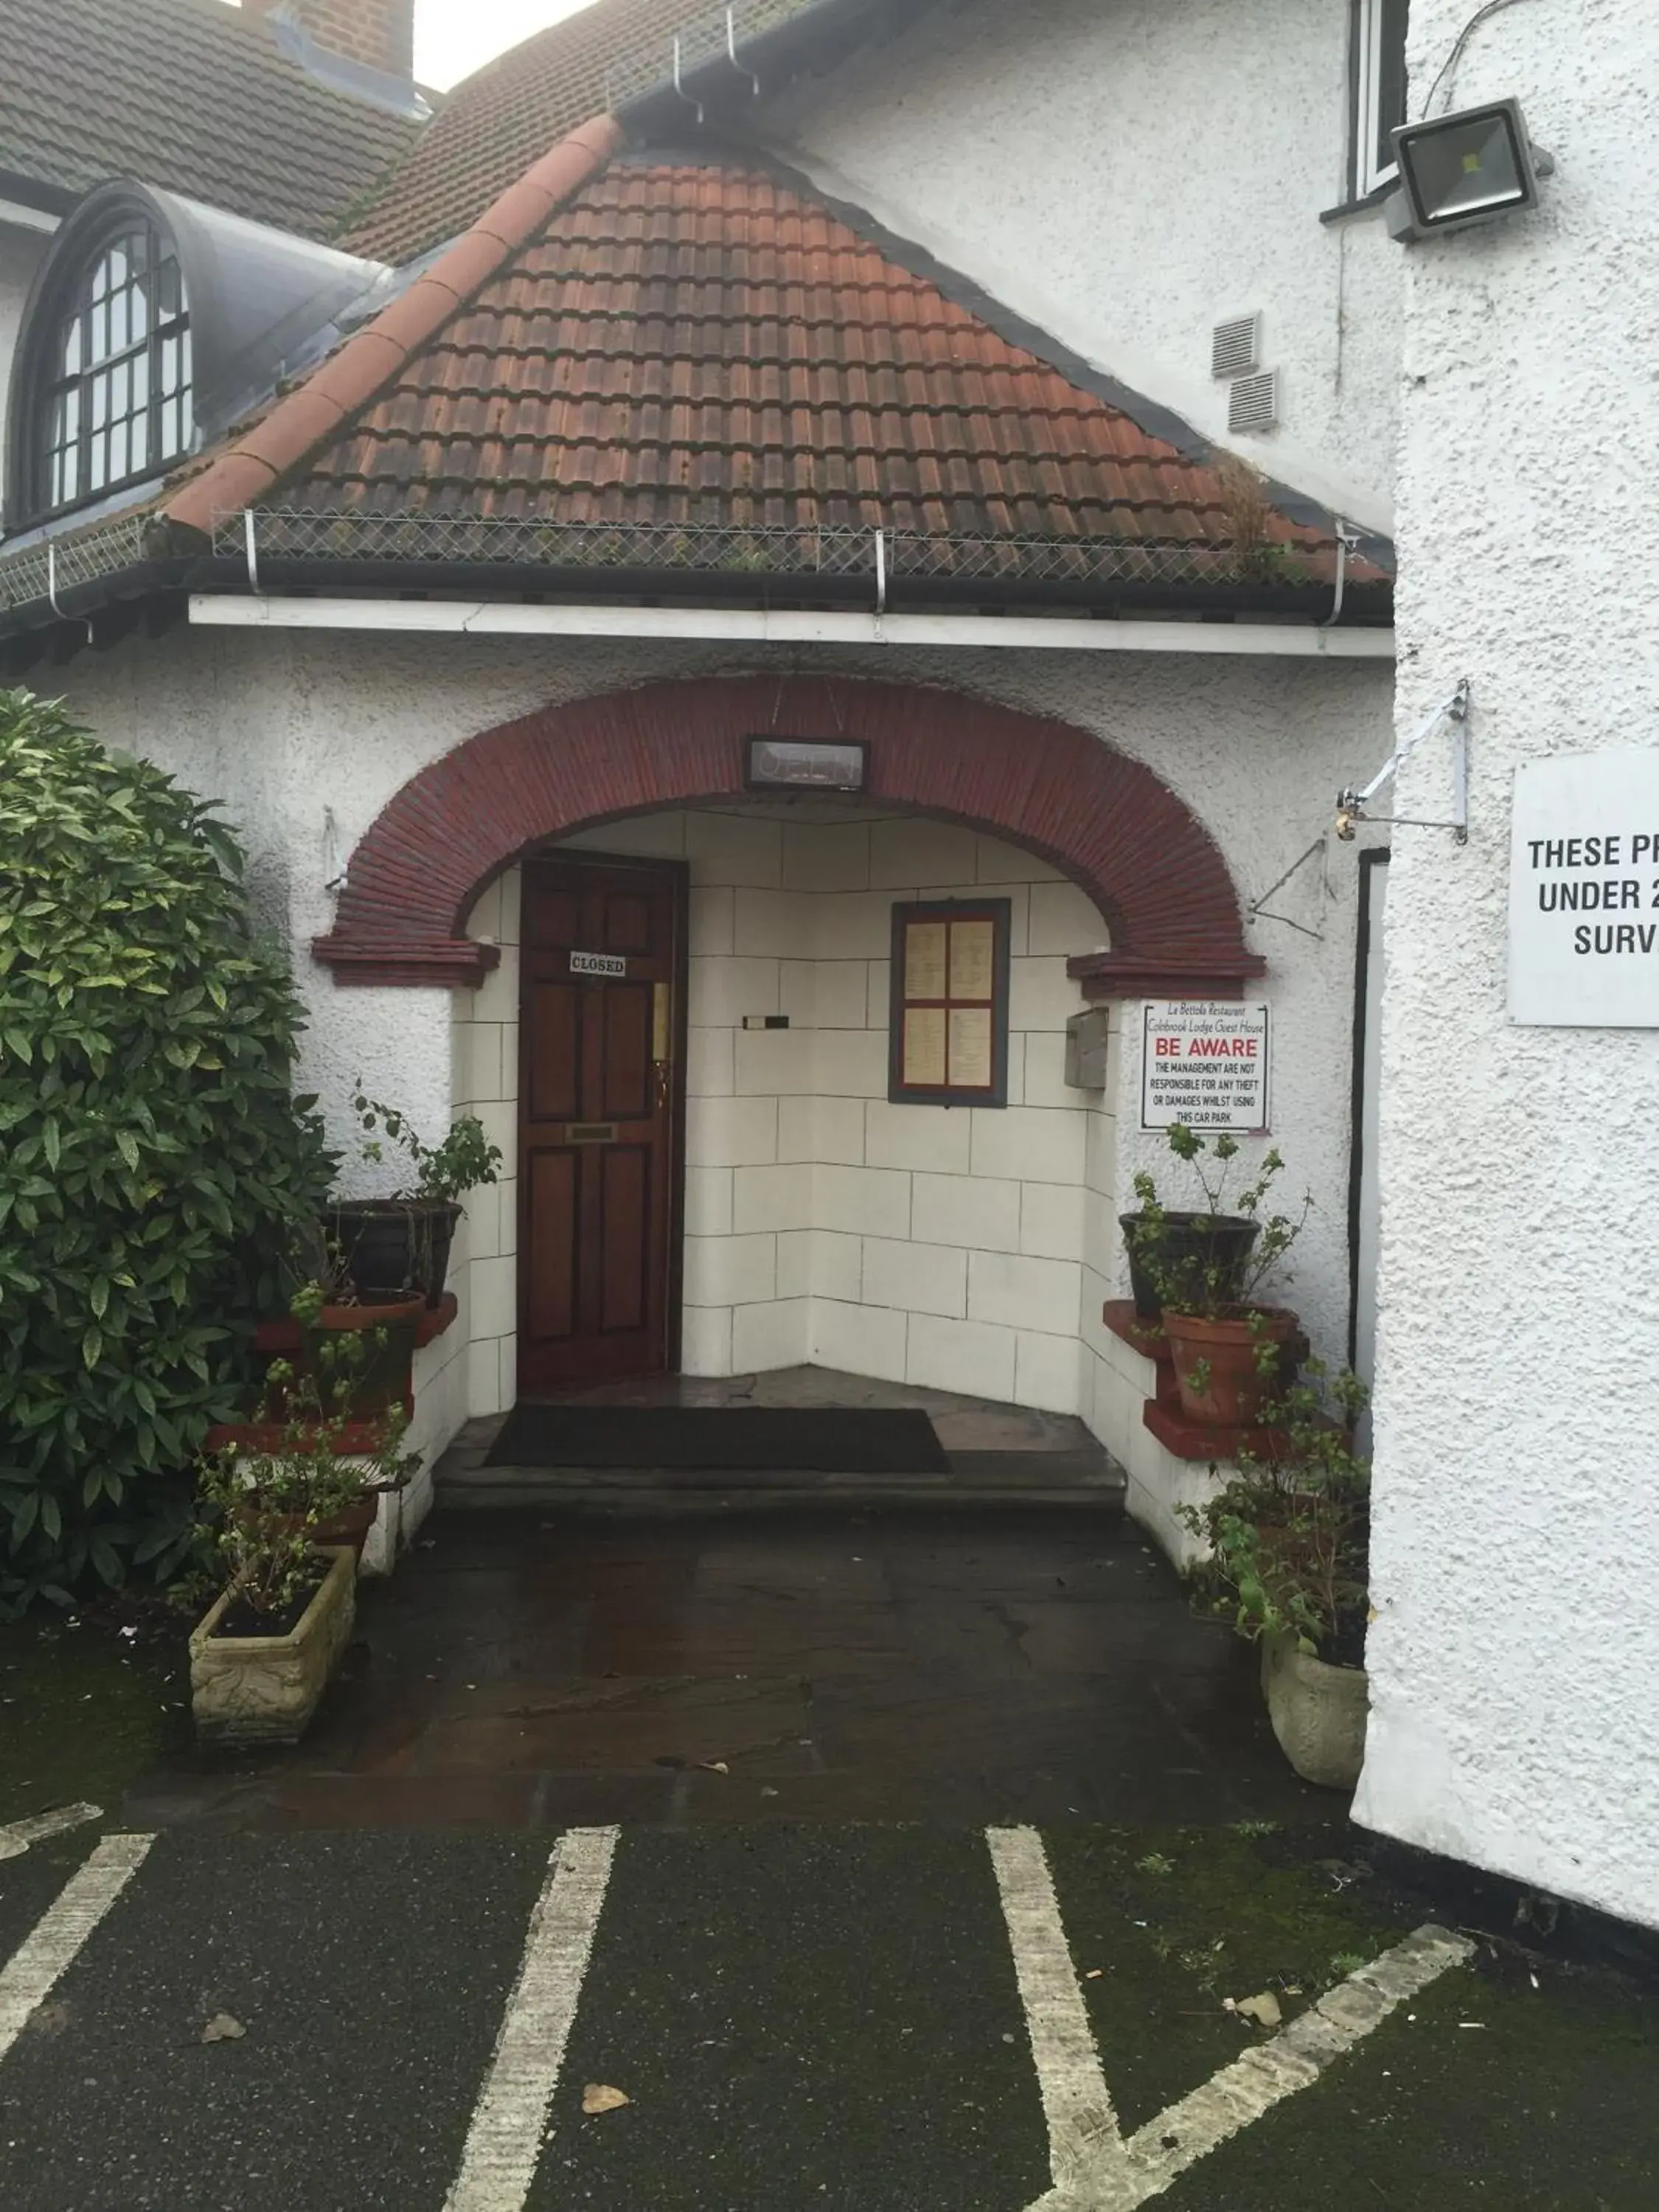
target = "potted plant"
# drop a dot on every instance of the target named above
(1182, 1246)
(1289, 1538)
(1228, 1349)
(390, 1247)
(365, 1343)
(285, 1521)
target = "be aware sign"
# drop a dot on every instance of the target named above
(1584, 892)
(1205, 1064)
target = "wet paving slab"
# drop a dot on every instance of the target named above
(524, 1668)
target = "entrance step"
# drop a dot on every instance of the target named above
(1086, 1478)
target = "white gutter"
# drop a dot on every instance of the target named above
(755, 626)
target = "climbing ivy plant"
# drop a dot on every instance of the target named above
(157, 1174)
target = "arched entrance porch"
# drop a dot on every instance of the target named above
(814, 1217)
(1103, 819)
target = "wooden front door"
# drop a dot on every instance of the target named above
(599, 1120)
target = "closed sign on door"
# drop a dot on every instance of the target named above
(599, 963)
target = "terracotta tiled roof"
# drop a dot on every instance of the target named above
(686, 344)
(496, 123)
(189, 94)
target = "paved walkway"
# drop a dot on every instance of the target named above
(550, 1670)
(874, 2019)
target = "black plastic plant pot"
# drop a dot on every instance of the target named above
(1189, 1247)
(392, 1248)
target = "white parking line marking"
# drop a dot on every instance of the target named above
(505, 2139)
(1296, 2057)
(1084, 2145)
(17, 1835)
(35, 1965)
(1094, 2169)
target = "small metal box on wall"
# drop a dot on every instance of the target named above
(1086, 1036)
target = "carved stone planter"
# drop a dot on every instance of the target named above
(1318, 1712)
(265, 1689)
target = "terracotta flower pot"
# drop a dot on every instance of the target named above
(350, 1526)
(1220, 1367)
(1318, 1713)
(383, 1379)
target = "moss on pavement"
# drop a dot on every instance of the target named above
(84, 1709)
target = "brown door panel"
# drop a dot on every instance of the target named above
(599, 1120)
(550, 1226)
(552, 1066)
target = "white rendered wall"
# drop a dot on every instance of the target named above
(290, 728)
(1128, 174)
(21, 255)
(1515, 1661)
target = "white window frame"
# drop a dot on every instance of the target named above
(1369, 174)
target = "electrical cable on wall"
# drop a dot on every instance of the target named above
(1449, 67)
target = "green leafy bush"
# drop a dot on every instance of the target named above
(1289, 1534)
(157, 1174)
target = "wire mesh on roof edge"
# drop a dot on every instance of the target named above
(81, 558)
(785, 551)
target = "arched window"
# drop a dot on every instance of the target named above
(115, 392)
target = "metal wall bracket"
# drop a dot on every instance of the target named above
(1351, 806)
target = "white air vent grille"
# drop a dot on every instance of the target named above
(1235, 347)
(1253, 403)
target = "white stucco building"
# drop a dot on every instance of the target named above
(892, 406)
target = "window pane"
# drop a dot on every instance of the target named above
(119, 381)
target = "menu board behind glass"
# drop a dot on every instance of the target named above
(950, 1003)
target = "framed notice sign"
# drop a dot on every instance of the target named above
(950, 1004)
(1584, 891)
(1206, 1064)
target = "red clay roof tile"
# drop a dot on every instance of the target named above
(684, 344)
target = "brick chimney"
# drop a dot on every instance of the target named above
(378, 32)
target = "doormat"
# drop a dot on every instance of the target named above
(805, 1439)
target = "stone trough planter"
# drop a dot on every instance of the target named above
(265, 1689)
(1318, 1713)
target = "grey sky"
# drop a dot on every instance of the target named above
(452, 37)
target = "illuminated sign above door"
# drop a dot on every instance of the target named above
(806, 764)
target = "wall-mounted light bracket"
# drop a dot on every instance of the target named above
(1352, 805)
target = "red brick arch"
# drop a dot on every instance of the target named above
(1103, 819)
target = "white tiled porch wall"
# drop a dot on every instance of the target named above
(484, 1266)
(922, 1244)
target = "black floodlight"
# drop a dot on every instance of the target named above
(1465, 168)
